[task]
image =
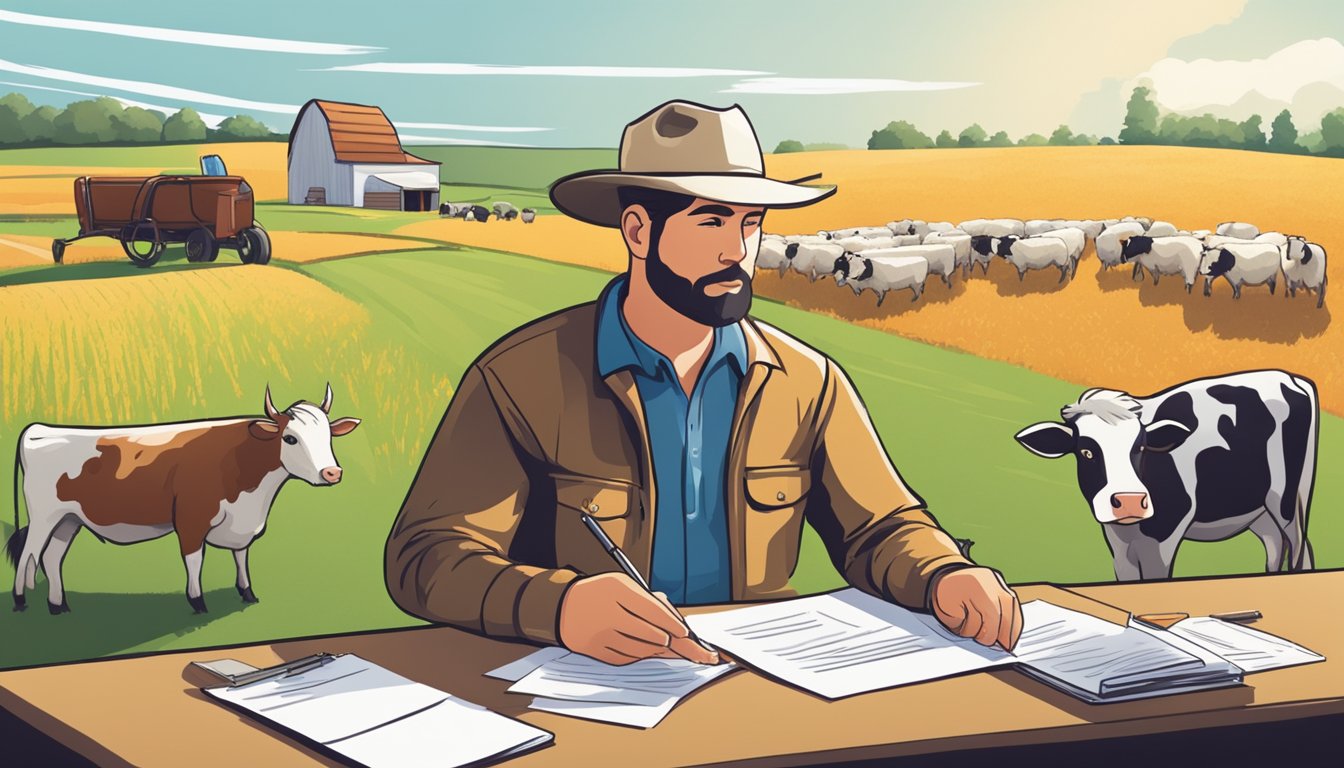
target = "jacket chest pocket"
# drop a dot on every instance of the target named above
(609, 502)
(769, 489)
(776, 497)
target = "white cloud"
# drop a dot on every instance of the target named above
(211, 120)
(432, 68)
(805, 86)
(1182, 85)
(188, 37)
(414, 139)
(147, 89)
(476, 128)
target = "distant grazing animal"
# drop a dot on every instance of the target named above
(478, 213)
(1075, 239)
(453, 210)
(1237, 229)
(1161, 229)
(504, 211)
(528, 215)
(812, 259)
(881, 275)
(1303, 266)
(1204, 460)
(961, 247)
(772, 255)
(942, 257)
(210, 482)
(1277, 238)
(1241, 264)
(982, 251)
(1164, 256)
(1028, 253)
(1112, 239)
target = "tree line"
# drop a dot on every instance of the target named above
(1143, 124)
(105, 120)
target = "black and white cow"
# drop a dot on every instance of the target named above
(1204, 460)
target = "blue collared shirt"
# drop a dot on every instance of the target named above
(688, 439)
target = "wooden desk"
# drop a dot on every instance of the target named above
(146, 711)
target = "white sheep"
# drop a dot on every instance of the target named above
(1112, 239)
(837, 234)
(1034, 227)
(1215, 241)
(1161, 229)
(1090, 227)
(504, 210)
(1073, 237)
(1176, 255)
(528, 215)
(982, 252)
(961, 245)
(1238, 229)
(772, 255)
(942, 257)
(901, 227)
(994, 227)
(813, 259)
(940, 226)
(881, 275)
(1034, 253)
(919, 227)
(1303, 265)
(859, 244)
(1242, 264)
(1277, 238)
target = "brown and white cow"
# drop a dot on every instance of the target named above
(210, 482)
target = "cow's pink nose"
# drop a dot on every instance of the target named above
(332, 475)
(1130, 507)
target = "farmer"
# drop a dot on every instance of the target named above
(698, 438)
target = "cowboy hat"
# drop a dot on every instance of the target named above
(688, 148)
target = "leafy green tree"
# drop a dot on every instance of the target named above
(1033, 140)
(1083, 140)
(184, 125)
(248, 127)
(13, 108)
(972, 136)
(1140, 118)
(945, 140)
(787, 145)
(1283, 134)
(87, 122)
(1332, 132)
(1252, 136)
(1312, 142)
(141, 126)
(1107, 141)
(899, 134)
(1062, 135)
(40, 125)
(1000, 139)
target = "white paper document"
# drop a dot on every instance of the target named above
(842, 643)
(1250, 649)
(379, 718)
(640, 694)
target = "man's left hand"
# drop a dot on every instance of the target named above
(975, 602)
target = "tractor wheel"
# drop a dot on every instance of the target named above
(254, 245)
(202, 245)
(135, 233)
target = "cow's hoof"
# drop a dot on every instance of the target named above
(57, 610)
(197, 604)
(20, 602)
(247, 595)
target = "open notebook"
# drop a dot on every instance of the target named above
(847, 642)
(373, 717)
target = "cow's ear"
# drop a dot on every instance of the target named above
(1162, 436)
(264, 429)
(1049, 439)
(343, 426)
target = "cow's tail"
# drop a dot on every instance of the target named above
(1300, 559)
(17, 539)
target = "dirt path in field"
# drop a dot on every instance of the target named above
(1100, 329)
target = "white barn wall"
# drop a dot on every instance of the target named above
(362, 172)
(312, 163)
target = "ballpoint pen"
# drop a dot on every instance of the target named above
(284, 669)
(629, 568)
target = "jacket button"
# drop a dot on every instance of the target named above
(780, 495)
(592, 508)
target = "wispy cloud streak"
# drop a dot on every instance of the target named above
(415, 139)
(188, 37)
(146, 89)
(474, 128)
(819, 86)
(444, 68)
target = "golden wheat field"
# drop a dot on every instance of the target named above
(1100, 329)
(213, 339)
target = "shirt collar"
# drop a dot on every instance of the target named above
(618, 347)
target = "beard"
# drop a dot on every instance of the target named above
(689, 298)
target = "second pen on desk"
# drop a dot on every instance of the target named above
(629, 568)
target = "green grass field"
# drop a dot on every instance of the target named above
(946, 418)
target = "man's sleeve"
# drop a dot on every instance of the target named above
(877, 530)
(446, 555)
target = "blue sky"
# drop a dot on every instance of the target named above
(572, 74)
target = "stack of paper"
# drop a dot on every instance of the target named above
(1250, 649)
(639, 694)
(379, 718)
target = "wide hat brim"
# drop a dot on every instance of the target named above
(591, 196)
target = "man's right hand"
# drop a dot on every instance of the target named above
(611, 618)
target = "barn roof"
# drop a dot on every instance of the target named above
(360, 134)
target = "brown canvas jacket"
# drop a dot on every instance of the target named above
(489, 536)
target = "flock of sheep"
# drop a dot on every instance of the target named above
(902, 254)
(501, 210)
